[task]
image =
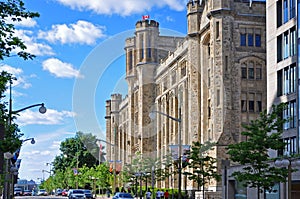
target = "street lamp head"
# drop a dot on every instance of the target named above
(152, 115)
(8, 155)
(32, 141)
(42, 109)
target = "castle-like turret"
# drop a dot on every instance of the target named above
(194, 12)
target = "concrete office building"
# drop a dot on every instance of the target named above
(283, 76)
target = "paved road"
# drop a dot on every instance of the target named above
(40, 197)
(52, 197)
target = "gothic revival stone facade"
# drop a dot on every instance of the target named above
(213, 79)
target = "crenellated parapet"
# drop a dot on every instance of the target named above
(146, 24)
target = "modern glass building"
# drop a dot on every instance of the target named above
(283, 72)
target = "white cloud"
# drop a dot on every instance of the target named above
(29, 22)
(170, 19)
(60, 69)
(18, 73)
(124, 7)
(32, 45)
(82, 32)
(51, 117)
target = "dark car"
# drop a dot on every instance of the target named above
(88, 194)
(121, 195)
(76, 194)
(58, 192)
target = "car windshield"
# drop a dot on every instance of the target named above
(125, 195)
(78, 191)
(87, 191)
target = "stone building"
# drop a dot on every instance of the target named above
(213, 79)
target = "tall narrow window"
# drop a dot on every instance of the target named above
(218, 97)
(217, 30)
(286, 81)
(279, 83)
(251, 102)
(293, 44)
(286, 45)
(258, 72)
(258, 102)
(208, 76)
(208, 109)
(257, 40)
(142, 46)
(251, 70)
(285, 11)
(250, 39)
(243, 39)
(149, 46)
(279, 13)
(292, 8)
(293, 78)
(130, 60)
(244, 102)
(279, 48)
(244, 72)
(226, 63)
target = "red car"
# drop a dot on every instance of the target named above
(64, 192)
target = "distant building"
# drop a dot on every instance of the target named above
(214, 79)
(26, 185)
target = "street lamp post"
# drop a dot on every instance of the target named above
(77, 165)
(179, 120)
(289, 163)
(42, 110)
(44, 174)
(115, 157)
(50, 164)
(32, 141)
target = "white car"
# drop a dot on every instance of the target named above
(42, 192)
(76, 194)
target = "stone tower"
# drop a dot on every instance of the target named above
(143, 53)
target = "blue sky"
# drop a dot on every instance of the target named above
(80, 62)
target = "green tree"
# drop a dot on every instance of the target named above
(77, 151)
(13, 10)
(262, 135)
(203, 167)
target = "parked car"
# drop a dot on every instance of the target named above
(42, 192)
(18, 191)
(88, 194)
(64, 192)
(58, 192)
(76, 194)
(27, 193)
(121, 195)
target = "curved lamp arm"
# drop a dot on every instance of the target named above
(42, 108)
(164, 114)
(105, 142)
